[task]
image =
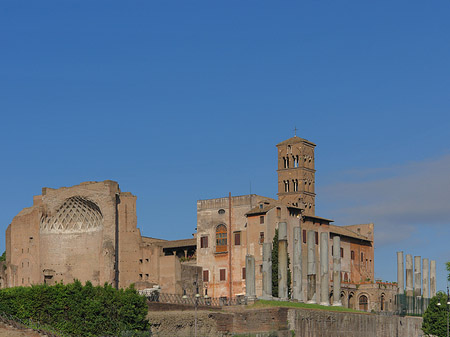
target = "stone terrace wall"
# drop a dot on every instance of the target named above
(281, 322)
(308, 323)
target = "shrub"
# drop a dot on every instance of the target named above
(78, 310)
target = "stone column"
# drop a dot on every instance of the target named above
(282, 261)
(311, 267)
(267, 271)
(337, 271)
(324, 275)
(417, 276)
(409, 275)
(432, 278)
(297, 275)
(250, 289)
(425, 284)
(400, 273)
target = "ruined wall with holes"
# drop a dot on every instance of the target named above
(70, 233)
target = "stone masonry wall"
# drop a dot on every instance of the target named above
(308, 323)
(282, 322)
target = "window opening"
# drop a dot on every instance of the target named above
(261, 219)
(223, 274)
(237, 238)
(204, 242)
(261, 237)
(221, 238)
(206, 276)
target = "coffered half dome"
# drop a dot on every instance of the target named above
(76, 214)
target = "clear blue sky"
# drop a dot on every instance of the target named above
(185, 100)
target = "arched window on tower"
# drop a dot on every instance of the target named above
(221, 238)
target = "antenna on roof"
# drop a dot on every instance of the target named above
(295, 131)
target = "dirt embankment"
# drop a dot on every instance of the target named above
(6, 331)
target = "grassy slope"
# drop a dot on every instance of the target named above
(265, 304)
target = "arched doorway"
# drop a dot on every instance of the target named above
(351, 301)
(363, 303)
(383, 304)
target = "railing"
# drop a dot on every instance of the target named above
(193, 300)
(410, 305)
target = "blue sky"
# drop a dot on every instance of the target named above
(185, 100)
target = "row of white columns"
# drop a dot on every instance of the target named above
(420, 281)
(297, 291)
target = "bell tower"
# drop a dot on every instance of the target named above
(296, 173)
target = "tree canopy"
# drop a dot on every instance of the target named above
(435, 317)
(78, 310)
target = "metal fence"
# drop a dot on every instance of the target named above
(194, 300)
(410, 305)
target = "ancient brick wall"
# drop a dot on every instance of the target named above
(308, 323)
(282, 322)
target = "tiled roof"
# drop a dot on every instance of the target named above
(178, 243)
(346, 232)
(294, 140)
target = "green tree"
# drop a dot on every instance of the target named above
(275, 268)
(435, 317)
(3, 257)
(447, 266)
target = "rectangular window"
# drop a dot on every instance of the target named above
(261, 219)
(261, 237)
(223, 275)
(206, 276)
(317, 237)
(237, 238)
(278, 211)
(204, 242)
(352, 255)
(362, 257)
(243, 273)
(304, 236)
(342, 252)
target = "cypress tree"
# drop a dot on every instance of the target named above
(275, 268)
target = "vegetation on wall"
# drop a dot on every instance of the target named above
(275, 268)
(78, 310)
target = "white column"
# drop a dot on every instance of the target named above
(297, 259)
(400, 273)
(324, 275)
(337, 271)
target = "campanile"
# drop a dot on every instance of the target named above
(296, 173)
